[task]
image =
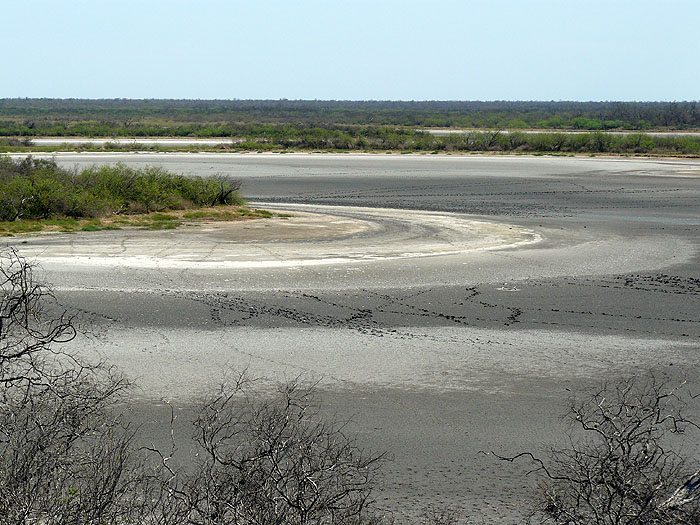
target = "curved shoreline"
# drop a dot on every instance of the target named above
(315, 235)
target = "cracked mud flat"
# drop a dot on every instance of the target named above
(463, 349)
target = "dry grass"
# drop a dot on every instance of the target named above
(146, 221)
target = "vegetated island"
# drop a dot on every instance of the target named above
(38, 195)
(368, 126)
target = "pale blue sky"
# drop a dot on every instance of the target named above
(308, 49)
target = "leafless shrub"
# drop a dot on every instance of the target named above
(228, 186)
(272, 460)
(619, 466)
(26, 335)
(67, 455)
(64, 456)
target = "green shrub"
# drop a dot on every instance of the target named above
(40, 189)
(688, 145)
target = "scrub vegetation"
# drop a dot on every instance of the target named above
(279, 126)
(38, 194)
(375, 139)
(211, 118)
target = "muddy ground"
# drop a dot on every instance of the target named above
(441, 349)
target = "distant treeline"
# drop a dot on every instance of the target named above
(124, 117)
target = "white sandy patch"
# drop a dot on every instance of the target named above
(180, 363)
(332, 235)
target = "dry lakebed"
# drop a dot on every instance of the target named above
(449, 304)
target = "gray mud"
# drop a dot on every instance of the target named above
(439, 358)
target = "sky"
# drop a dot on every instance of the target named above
(352, 49)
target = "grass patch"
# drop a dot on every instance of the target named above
(163, 225)
(147, 221)
(163, 217)
(194, 215)
(20, 227)
(91, 228)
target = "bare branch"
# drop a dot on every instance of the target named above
(619, 467)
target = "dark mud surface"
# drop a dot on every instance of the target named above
(438, 358)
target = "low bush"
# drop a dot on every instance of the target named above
(40, 189)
